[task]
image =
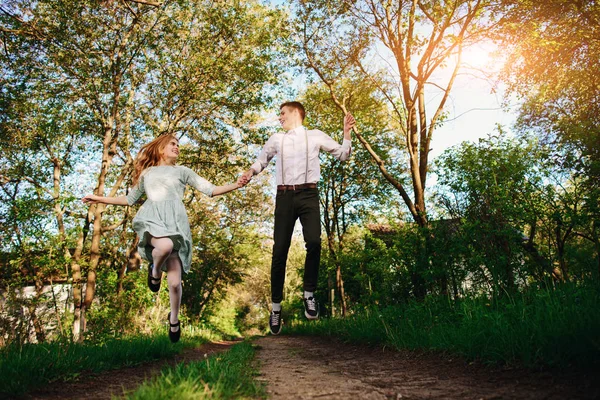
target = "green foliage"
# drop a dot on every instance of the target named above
(552, 50)
(516, 213)
(375, 267)
(540, 327)
(84, 85)
(223, 318)
(26, 367)
(221, 376)
(124, 313)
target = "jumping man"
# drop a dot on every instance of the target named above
(297, 173)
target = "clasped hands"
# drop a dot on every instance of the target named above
(245, 178)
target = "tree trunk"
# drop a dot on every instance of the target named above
(40, 335)
(339, 282)
(55, 304)
(596, 244)
(58, 210)
(132, 262)
(508, 269)
(331, 292)
(77, 281)
(560, 253)
(109, 150)
(340, 285)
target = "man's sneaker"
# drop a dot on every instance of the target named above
(275, 322)
(311, 308)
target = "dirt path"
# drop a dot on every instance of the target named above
(314, 368)
(295, 367)
(104, 385)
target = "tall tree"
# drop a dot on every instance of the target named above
(134, 70)
(418, 40)
(350, 192)
(411, 51)
(553, 49)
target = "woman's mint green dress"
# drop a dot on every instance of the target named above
(163, 213)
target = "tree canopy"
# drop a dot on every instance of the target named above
(84, 85)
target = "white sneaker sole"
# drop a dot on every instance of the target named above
(273, 333)
(308, 316)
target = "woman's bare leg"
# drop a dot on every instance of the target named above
(163, 246)
(174, 269)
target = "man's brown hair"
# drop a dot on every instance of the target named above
(296, 105)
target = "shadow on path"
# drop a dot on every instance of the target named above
(294, 367)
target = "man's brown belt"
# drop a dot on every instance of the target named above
(297, 187)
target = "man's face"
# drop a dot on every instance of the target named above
(289, 118)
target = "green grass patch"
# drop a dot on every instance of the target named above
(557, 327)
(228, 375)
(27, 367)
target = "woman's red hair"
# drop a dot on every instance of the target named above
(150, 155)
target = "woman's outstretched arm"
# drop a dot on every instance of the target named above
(93, 199)
(225, 188)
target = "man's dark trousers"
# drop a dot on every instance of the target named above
(289, 206)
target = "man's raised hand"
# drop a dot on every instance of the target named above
(349, 123)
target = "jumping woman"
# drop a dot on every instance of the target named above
(161, 223)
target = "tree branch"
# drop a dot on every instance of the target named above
(147, 2)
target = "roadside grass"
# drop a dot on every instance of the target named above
(228, 375)
(24, 368)
(559, 327)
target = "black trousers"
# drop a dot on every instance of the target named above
(289, 206)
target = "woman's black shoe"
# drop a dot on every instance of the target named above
(174, 336)
(155, 287)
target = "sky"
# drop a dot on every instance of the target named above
(475, 106)
(474, 109)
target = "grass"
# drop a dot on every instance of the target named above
(559, 327)
(24, 368)
(223, 376)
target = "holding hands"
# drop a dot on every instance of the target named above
(245, 178)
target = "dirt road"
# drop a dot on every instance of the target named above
(314, 368)
(294, 367)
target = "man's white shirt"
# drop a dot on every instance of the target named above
(297, 153)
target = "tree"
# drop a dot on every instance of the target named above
(419, 39)
(553, 49)
(350, 191)
(495, 189)
(133, 70)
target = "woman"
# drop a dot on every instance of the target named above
(162, 223)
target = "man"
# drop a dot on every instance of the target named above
(297, 173)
